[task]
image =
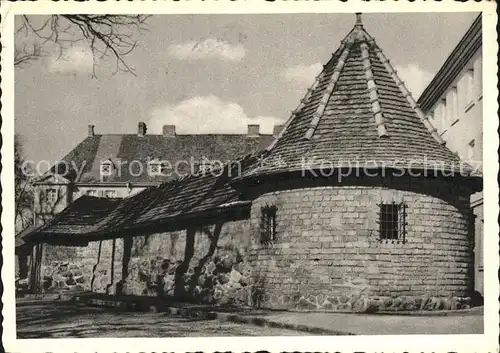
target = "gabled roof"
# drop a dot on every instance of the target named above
(195, 196)
(359, 113)
(468, 46)
(132, 152)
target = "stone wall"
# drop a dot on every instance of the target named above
(328, 255)
(214, 269)
(217, 270)
(91, 268)
(64, 267)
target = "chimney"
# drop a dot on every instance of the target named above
(277, 129)
(253, 130)
(91, 130)
(168, 130)
(141, 130)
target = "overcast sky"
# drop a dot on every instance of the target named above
(244, 69)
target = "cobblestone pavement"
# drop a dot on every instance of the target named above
(54, 319)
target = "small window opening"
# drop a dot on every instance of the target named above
(392, 221)
(52, 195)
(268, 225)
(107, 168)
(159, 168)
(92, 192)
(110, 193)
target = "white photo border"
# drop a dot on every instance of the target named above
(487, 342)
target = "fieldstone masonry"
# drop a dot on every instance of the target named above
(86, 268)
(216, 272)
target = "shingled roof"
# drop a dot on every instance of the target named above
(359, 113)
(131, 152)
(20, 242)
(191, 198)
(197, 194)
(82, 217)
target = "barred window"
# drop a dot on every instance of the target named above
(392, 221)
(268, 224)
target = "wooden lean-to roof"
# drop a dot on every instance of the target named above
(83, 216)
(358, 113)
(197, 199)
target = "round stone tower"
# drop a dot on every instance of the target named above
(359, 205)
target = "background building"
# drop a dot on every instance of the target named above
(453, 102)
(120, 165)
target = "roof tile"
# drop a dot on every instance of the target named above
(368, 116)
(131, 154)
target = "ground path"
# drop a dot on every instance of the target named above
(59, 318)
(52, 319)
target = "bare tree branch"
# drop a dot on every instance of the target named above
(26, 54)
(108, 36)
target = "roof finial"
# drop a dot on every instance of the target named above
(359, 23)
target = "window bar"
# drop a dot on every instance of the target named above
(394, 221)
(404, 222)
(273, 220)
(379, 222)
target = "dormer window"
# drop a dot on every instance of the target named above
(107, 167)
(157, 168)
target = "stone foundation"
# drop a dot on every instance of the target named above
(364, 304)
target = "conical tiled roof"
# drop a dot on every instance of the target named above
(358, 112)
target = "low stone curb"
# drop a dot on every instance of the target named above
(460, 312)
(210, 315)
